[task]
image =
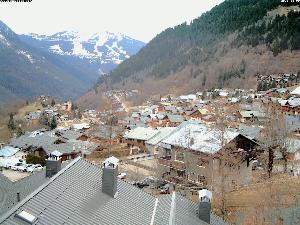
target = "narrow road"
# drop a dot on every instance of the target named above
(121, 102)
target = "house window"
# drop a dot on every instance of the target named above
(188, 176)
(180, 173)
(179, 156)
(202, 162)
(201, 179)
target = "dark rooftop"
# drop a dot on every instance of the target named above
(74, 196)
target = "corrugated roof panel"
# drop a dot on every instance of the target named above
(74, 196)
(162, 134)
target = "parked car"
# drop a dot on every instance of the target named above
(17, 166)
(141, 185)
(25, 167)
(22, 167)
(34, 168)
(164, 191)
(257, 165)
(122, 175)
(149, 180)
(9, 165)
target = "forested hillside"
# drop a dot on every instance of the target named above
(234, 40)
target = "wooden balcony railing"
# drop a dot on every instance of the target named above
(166, 161)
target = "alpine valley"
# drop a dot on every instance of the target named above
(64, 65)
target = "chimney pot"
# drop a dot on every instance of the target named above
(18, 197)
(110, 176)
(205, 197)
(53, 166)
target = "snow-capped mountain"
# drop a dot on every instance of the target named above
(26, 71)
(103, 51)
(64, 65)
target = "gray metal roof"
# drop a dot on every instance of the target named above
(25, 186)
(71, 134)
(163, 133)
(103, 132)
(141, 133)
(185, 212)
(74, 196)
(175, 118)
(249, 131)
(292, 122)
(46, 141)
(293, 145)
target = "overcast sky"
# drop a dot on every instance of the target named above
(140, 19)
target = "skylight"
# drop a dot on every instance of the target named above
(27, 217)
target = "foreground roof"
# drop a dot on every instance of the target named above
(74, 196)
(25, 186)
(184, 212)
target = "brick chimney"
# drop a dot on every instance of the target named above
(205, 197)
(109, 176)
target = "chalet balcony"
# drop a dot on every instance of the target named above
(166, 161)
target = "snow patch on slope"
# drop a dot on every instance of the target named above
(104, 47)
(27, 55)
(3, 40)
(56, 49)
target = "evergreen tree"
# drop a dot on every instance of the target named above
(53, 123)
(19, 131)
(272, 84)
(44, 119)
(204, 80)
(74, 106)
(264, 86)
(204, 94)
(11, 122)
(78, 114)
(298, 76)
(259, 86)
(53, 102)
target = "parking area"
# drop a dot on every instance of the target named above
(134, 173)
(14, 175)
(143, 172)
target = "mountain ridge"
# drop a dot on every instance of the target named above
(224, 47)
(101, 50)
(28, 70)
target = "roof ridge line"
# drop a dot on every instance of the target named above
(154, 211)
(172, 210)
(36, 191)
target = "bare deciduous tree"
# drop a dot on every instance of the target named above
(273, 139)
